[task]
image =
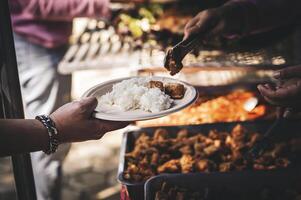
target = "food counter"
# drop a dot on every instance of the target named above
(210, 137)
(218, 148)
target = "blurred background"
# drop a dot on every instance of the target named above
(133, 41)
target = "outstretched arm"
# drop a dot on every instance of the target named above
(265, 14)
(73, 121)
(18, 135)
(240, 17)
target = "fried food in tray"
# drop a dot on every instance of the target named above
(212, 109)
(171, 192)
(213, 152)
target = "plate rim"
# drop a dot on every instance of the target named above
(153, 116)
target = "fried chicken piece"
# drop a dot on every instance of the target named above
(143, 138)
(127, 176)
(187, 163)
(132, 168)
(182, 134)
(210, 150)
(177, 145)
(213, 134)
(225, 167)
(139, 172)
(171, 166)
(204, 165)
(175, 90)
(162, 145)
(171, 64)
(208, 141)
(139, 149)
(160, 134)
(201, 137)
(238, 132)
(217, 143)
(240, 147)
(132, 172)
(186, 150)
(199, 147)
(156, 84)
(151, 150)
(144, 162)
(154, 159)
(233, 143)
(197, 138)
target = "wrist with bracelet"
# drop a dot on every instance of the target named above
(52, 131)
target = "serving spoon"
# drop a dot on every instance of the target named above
(250, 104)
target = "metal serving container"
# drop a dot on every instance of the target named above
(221, 186)
(287, 131)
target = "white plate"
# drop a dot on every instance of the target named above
(113, 113)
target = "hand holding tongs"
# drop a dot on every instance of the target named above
(175, 55)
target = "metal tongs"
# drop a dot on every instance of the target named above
(260, 146)
(175, 55)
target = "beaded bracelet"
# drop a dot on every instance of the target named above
(52, 133)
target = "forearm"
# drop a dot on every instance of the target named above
(20, 136)
(260, 15)
(66, 9)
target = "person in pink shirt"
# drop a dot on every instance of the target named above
(48, 23)
(41, 32)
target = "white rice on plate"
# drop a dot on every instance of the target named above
(133, 94)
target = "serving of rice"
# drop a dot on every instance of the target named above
(134, 94)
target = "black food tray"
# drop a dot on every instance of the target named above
(288, 130)
(223, 186)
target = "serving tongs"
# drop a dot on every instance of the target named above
(263, 144)
(175, 55)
